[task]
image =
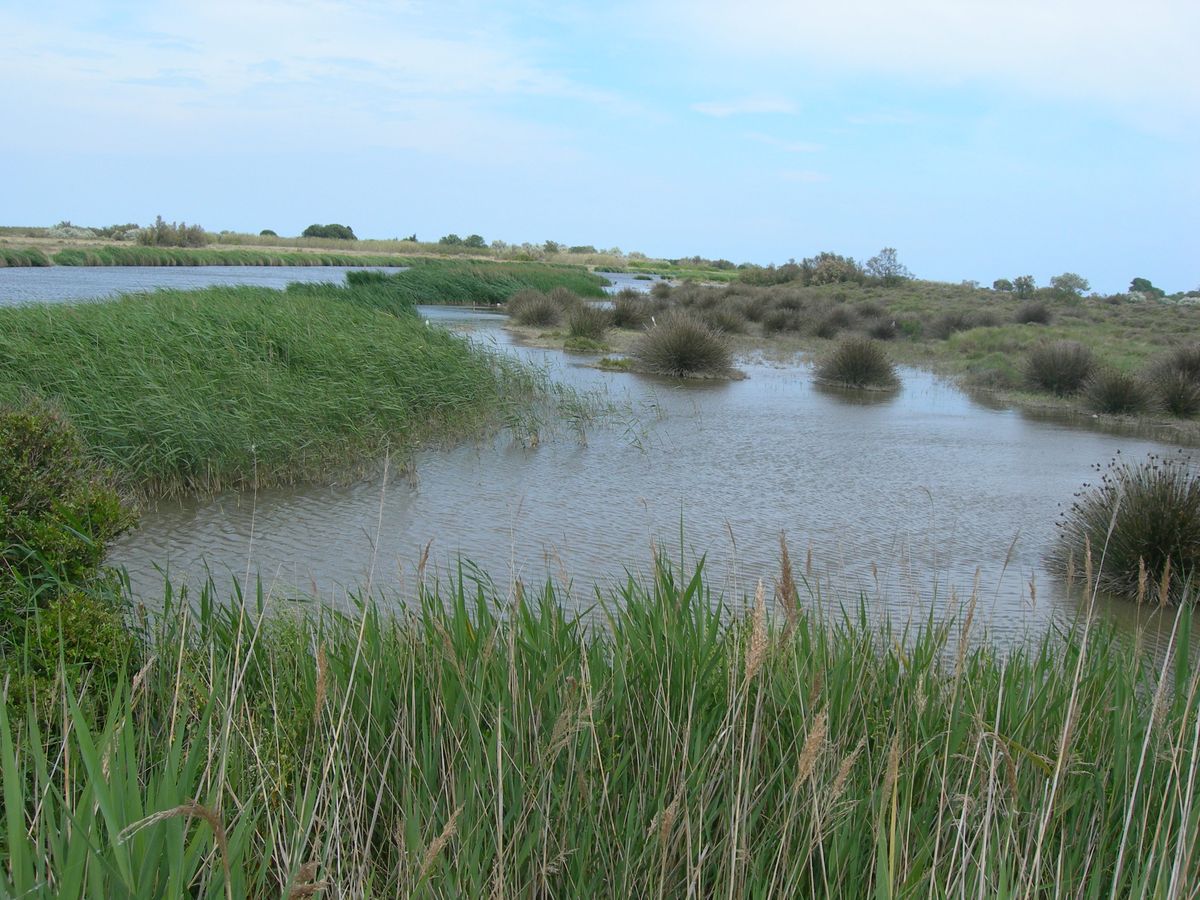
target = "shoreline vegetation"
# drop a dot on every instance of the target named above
(484, 741)
(198, 391)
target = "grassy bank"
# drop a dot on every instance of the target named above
(136, 255)
(489, 283)
(201, 390)
(484, 745)
(11, 257)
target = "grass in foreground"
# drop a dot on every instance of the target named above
(198, 391)
(483, 745)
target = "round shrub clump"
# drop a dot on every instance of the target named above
(1153, 511)
(1116, 392)
(1060, 368)
(586, 320)
(534, 308)
(1033, 313)
(1175, 392)
(631, 310)
(858, 362)
(681, 345)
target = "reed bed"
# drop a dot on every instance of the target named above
(184, 391)
(490, 743)
(136, 255)
(11, 257)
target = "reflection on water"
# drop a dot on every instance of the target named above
(908, 503)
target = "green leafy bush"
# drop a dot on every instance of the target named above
(334, 231)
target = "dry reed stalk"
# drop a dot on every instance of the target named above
(1142, 579)
(191, 809)
(1164, 586)
(786, 590)
(439, 844)
(813, 745)
(808, 568)
(306, 883)
(893, 768)
(322, 683)
(1087, 563)
(664, 821)
(843, 772)
(421, 563)
(756, 652)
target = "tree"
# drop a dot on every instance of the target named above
(267, 232)
(474, 240)
(336, 232)
(450, 240)
(1070, 284)
(1002, 284)
(1143, 286)
(552, 246)
(1024, 285)
(886, 266)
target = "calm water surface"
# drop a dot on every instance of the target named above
(908, 500)
(57, 283)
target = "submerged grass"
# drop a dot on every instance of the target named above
(489, 745)
(202, 390)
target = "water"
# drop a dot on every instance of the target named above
(59, 283)
(908, 500)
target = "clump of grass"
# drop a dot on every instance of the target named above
(184, 391)
(1116, 392)
(1175, 392)
(958, 320)
(726, 319)
(858, 362)
(779, 321)
(683, 346)
(586, 320)
(668, 744)
(1141, 525)
(631, 310)
(1035, 312)
(1060, 367)
(529, 307)
(22, 258)
(883, 329)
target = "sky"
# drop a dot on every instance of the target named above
(980, 138)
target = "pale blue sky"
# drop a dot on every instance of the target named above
(982, 138)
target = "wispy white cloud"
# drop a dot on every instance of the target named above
(745, 106)
(1105, 51)
(785, 145)
(804, 176)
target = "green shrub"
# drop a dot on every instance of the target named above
(1113, 391)
(1061, 367)
(333, 231)
(1175, 392)
(858, 362)
(1033, 313)
(631, 309)
(1140, 521)
(531, 307)
(681, 345)
(586, 320)
(725, 318)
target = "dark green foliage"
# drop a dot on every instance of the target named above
(1034, 312)
(267, 232)
(1002, 284)
(586, 320)
(333, 231)
(172, 234)
(1116, 392)
(858, 363)
(13, 258)
(1069, 284)
(210, 256)
(886, 267)
(1060, 367)
(1152, 510)
(1024, 285)
(450, 240)
(1144, 286)
(474, 241)
(683, 346)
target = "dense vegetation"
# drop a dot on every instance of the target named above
(127, 255)
(479, 744)
(182, 391)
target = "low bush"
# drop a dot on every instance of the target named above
(1141, 523)
(1033, 313)
(1061, 367)
(1175, 392)
(858, 362)
(883, 329)
(631, 309)
(683, 346)
(586, 320)
(778, 321)
(1116, 392)
(534, 308)
(726, 319)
